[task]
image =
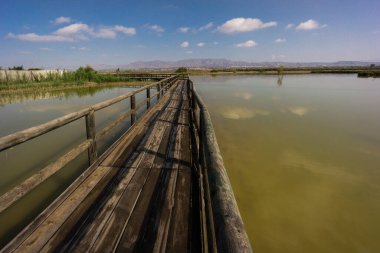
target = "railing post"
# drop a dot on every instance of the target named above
(133, 109)
(158, 90)
(91, 134)
(162, 87)
(148, 98)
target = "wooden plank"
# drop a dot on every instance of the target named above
(138, 216)
(91, 233)
(126, 146)
(86, 238)
(156, 232)
(110, 234)
(33, 181)
(179, 237)
(37, 240)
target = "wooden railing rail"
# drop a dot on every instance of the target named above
(90, 144)
(225, 228)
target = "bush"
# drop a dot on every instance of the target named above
(181, 70)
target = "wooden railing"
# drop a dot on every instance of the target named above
(143, 76)
(90, 144)
(221, 223)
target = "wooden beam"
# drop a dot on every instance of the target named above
(22, 189)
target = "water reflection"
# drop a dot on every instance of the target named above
(279, 80)
(244, 95)
(242, 113)
(298, 110)
(25, 96)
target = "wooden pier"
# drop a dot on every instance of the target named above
(161, 187)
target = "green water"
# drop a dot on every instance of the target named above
(303, 158)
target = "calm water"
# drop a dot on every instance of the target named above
(303, 158)
(22, 110)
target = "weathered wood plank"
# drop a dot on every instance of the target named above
(38, 239)
(32, 182)
(91, 234)
(85, 238)
(180, 236)
(139, 216)
(111, 233)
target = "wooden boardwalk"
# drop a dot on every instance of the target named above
(148, 194)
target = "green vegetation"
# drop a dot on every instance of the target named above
(181, 70)
(81, 77)
(281, 70)
(17, 68)
(369, 73)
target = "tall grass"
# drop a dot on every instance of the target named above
(80, 76)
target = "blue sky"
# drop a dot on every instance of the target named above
(72, 32)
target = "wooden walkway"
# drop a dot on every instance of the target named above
(148, 194)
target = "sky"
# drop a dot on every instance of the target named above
(114, 32)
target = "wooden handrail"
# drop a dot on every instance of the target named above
(230, 234)
(90, 144)
(33, 132)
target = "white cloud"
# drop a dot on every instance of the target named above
(75, 32)
(62, 20)
(73, 29)
(185, 44)
(155, 28)
(129, 31)
(244, 25)
(106, 33)
(200, 44)
(280, 40)
(215, 43)
(206, 27)
(310, 25)
(84, 49)
(184, 29)
(289, 26)
(46, 49)
(32, 37)
(247, 44)
(189, 52)
(25, 52)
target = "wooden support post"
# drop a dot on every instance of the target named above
(159, 91)
(148, 98)
(91, 134)
(133, 109)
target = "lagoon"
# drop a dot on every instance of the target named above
(303, 157)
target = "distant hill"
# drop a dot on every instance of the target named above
(224, 63)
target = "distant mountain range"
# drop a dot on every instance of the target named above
(224, 63)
